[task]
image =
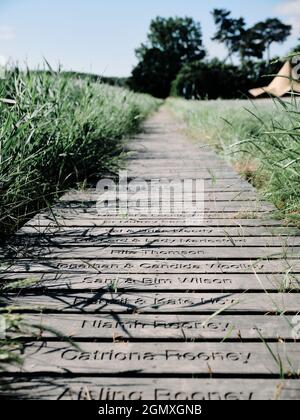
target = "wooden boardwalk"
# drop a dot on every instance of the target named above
(159, 307)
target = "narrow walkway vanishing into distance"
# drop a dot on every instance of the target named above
(155, 307)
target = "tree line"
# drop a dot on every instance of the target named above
(174, 59)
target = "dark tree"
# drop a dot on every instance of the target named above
(207, 80)
(216, 79)
(249, 45)
(229, 30)
(270, 31)
(149, 75)
(248, 42)
(171, 43)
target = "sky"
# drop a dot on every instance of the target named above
(100, 36)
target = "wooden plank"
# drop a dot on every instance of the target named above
(230, 183)
(225, 219)
(164, 253)
(211, 185)
(201, 164)
(150, 150)
(158, 155)
(175, 208)
(281, 232)
(166, 155)
(146, 148)
(167, 358)
(157, 161)
(153, 241)
(88, 200)
(209, 176)
(199, 161)
(143, 302)
(131, 219)
(153, 145)
(187, 154)
(207, 162)
(209, 169)
(120, 389)
(181, 174)
(161, 140)
(151, 267)
(167, 282)
(72, 201)
(157, 327)
(156, 209)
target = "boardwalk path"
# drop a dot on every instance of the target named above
(160, 309)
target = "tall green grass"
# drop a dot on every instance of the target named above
(56, 131)
(261, 138)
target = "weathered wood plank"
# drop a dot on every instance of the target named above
(151, 267)
(116, 327)
(181, 174)
(175, 207)
(165, 164)
(175, 165)
(41, 221)
(153, 144)
(172, 156)
(274, 232)
(179, 358)
(165, 253)
(148, 151)
(120, 389)
(143, 302)
(136, 220)
(236, 185)
(228, 184)
(184, 213)
(166, 155)
(208, 160)
(89, 199)
(168, 282)
(153, 241)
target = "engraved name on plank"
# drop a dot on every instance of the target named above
(154, 267)
(209, 358)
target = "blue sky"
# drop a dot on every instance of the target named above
(100, 35)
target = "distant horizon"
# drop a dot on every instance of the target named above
(98, 38)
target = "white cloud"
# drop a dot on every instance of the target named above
(291, 10)
(7, 33)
